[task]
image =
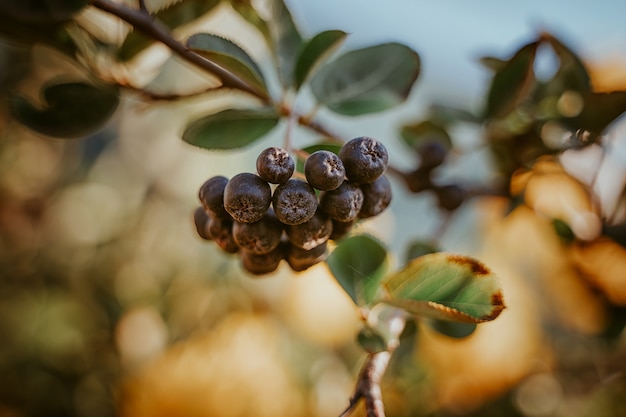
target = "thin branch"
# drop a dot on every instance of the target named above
(154, 96)
(368, 385)
(391, 321)
(320, 128)
(146, 24)
(142, 6)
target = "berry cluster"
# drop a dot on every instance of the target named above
(294, 221)
(432, 155)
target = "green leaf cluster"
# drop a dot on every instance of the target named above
(356, 83)
(68, 110)
(450, 292)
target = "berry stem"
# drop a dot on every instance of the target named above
(292, 121)
(142, 21)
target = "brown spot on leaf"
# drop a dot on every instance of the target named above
(498, 305)
(477, 267)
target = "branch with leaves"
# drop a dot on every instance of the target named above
(435, 288)
(432, 287)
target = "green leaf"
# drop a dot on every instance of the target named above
(600, 110)
(367, 80)
(443, 286)
(419, 248)
(69, 110)
(28, 34)
(41, 11)
(173, 16)
(452, 328)
(563, 231)
(287, 41)
(230, 56)
(492, 63)
(315, 52)
(321, 146)
(572, 73)
(371, 341)
(358, 263)
(249, 14)
(444, 114)
(230, 129)
(417, 134)
(512, 83)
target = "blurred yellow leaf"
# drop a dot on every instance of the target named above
(603, 262)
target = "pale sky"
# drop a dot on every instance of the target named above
(451, 35)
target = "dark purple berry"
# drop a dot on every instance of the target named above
(432, 155)
(450, 196)
(376, 197)
(221, 232)
(263, 264)
(344, 203)
(261, 236)
(211, 196)
(201, 220)
(364, 159)
(418, 180)
(340, 229)
(300, 259)
(324, 170)
(275, 165)
(294, 202)
(311, 233)
(247, 197)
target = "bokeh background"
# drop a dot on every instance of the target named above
(110, 304)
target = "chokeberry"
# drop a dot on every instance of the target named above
(450, 196)
(201, 220)
(324, 170)
(364, 159)
(247, 197)
(301, 259)
(221, 232)
(418, 180)
(275, 165)
(344, 203)
(376, 197)
(294, 202)
(265, 263)
(311, 233)
(211, 196)
(432, 154)
(340, 229)
(261, 236)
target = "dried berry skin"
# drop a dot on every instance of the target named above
(221, 232)
(275, 165)
(201, 221)
(300, 259)
(364, 159)
(324, 170)
(311, 233)
(259, 237)
(247, 197)
(211, 195)
(294, 202)
(376, 197)
(450, 196)
(344, 203)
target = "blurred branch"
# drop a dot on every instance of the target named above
(142, 21)
(368, 385)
